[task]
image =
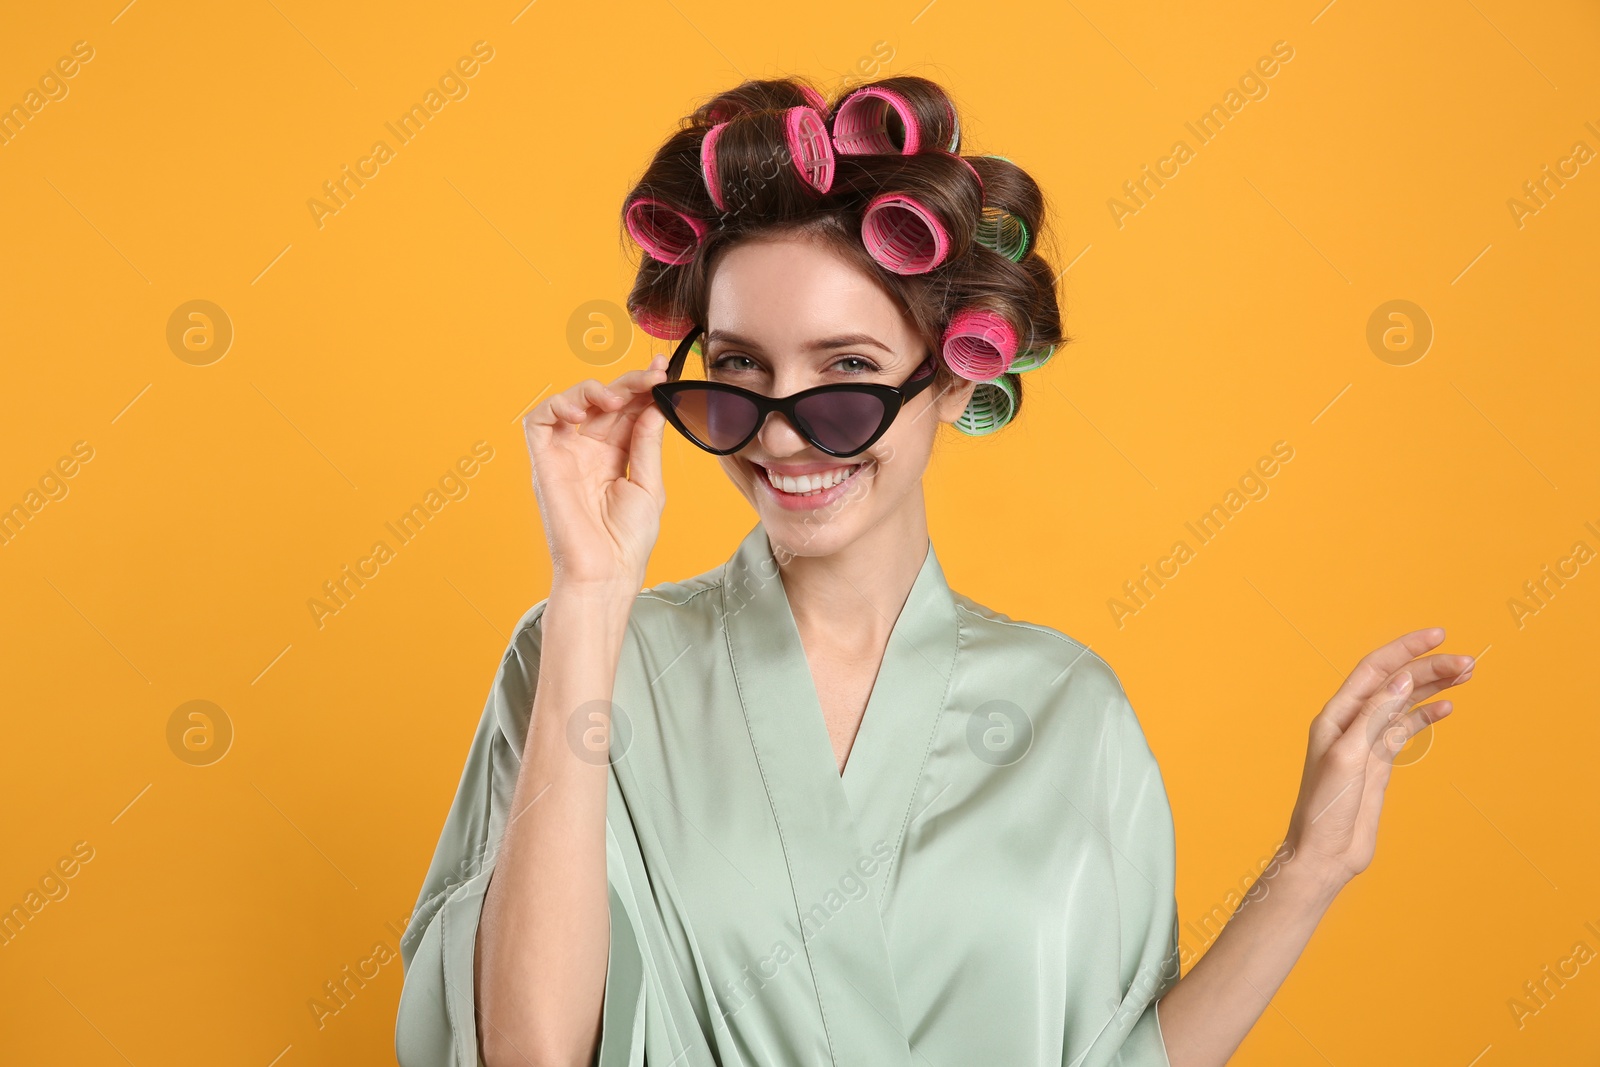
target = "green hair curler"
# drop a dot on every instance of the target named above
(1032, 359)
(992, 404)
(1001, 231)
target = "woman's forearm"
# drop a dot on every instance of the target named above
(1207, 1014)
(544, 934)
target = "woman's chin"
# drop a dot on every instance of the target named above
(819, 530)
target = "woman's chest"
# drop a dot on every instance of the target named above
(844, 686)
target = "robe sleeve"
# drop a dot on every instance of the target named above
(1145, 862)
(436, 1025)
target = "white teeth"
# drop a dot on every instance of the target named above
(806, 484)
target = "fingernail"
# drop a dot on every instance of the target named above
(1400, 683)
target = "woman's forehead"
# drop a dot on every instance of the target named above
(789, 294)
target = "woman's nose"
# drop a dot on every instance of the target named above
(778, 436)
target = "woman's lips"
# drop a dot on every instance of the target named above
(815, 498)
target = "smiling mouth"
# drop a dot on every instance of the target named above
(810, 484)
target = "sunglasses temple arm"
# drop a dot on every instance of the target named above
(675, 367)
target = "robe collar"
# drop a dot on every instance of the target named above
(830, 824)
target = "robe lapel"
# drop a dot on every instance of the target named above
(834, 831)
(883, 776)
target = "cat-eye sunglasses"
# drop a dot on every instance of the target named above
(842, 420)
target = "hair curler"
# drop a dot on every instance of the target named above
(903, 235)
(861, 124)
(990, 407)
(1032, 359)
(814, 99)
(1001, 231)
(806, 142)
(663, 231)
(708, 165)
(955, 129)
(968, 164)
(809, 146)
(979, 345)
(666, 327)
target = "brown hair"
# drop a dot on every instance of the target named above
(763, 194)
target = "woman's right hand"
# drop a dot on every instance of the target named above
(596, 452)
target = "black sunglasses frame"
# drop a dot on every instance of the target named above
(893, 398)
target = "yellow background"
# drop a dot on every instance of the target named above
(370, 354)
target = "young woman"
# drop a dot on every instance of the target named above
(812, 806)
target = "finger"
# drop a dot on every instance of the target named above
(642, 396)
(1376, 714)
(563, 407)
(638, 386)
(1397, 733)
(626, 396)
(1438, 673)
(1375, 668)
(590, 407)
(596, 395)
(644, 457)
(589, 401)
(569, 408)
(637, 381)
(1430, 675)
(1421, 693)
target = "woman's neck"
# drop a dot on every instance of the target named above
(855, 595)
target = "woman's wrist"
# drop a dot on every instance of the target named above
(603, 592)
(1312, 883)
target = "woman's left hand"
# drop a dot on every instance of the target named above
(1334, 829)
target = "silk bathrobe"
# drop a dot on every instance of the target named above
(989, 882)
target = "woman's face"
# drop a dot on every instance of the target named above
(789, 313)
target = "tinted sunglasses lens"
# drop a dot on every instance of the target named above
(714, 419)
(840, 421)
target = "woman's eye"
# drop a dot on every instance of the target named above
(856, 365)
(732, 362)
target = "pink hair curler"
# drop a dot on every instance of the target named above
(664, 327)
(663, 231)
(979, 345)
(814, 98)
(861, 124)
(708, 165)
(809, 146)
(968, 164)
(806, 139)
(955, 129)
(903, 235)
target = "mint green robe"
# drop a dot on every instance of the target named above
(990, 881)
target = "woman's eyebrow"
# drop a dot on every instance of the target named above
(847, 340)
